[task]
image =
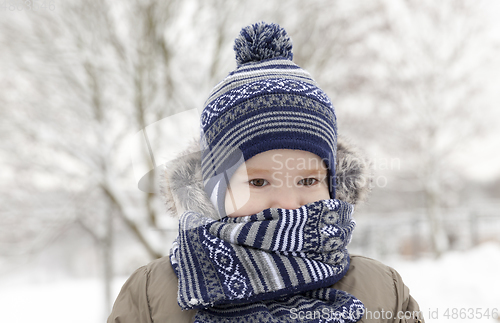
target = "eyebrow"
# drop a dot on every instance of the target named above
(251, 171)
(315, 168)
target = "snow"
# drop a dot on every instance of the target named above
(76, 301)
(459, 280)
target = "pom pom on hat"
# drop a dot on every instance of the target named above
(262, 41)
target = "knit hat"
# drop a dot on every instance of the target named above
(267, 103)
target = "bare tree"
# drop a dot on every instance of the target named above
(85, 77)
(428, 102)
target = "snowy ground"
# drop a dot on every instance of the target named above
(459, 284)
(461, 281)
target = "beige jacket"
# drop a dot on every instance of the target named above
(150, 294)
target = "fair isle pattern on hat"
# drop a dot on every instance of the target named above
(258, 268)
(267, 103)
(288, 110)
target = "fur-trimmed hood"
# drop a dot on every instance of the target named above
(181, 184)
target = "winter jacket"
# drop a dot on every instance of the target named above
(150, 294)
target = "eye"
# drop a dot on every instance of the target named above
(308, 181)
(258, 182)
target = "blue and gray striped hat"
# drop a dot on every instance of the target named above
(267, 103)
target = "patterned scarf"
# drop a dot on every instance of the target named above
(273, 266)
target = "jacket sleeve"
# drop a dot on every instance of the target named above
(406, 303)
(150, 296)
(381, 289)
(131, 305)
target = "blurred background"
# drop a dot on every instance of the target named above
(415, 85)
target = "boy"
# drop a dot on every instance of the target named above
(264, 220)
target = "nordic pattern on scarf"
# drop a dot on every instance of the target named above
(336, 306)
(258, 259)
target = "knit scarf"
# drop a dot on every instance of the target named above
(273, 266)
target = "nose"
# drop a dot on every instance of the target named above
(285, 199)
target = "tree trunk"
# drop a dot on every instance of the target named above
(107, 258)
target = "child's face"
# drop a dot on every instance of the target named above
(280, 178)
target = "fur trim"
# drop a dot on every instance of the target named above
(353, 173)
(181, 184)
